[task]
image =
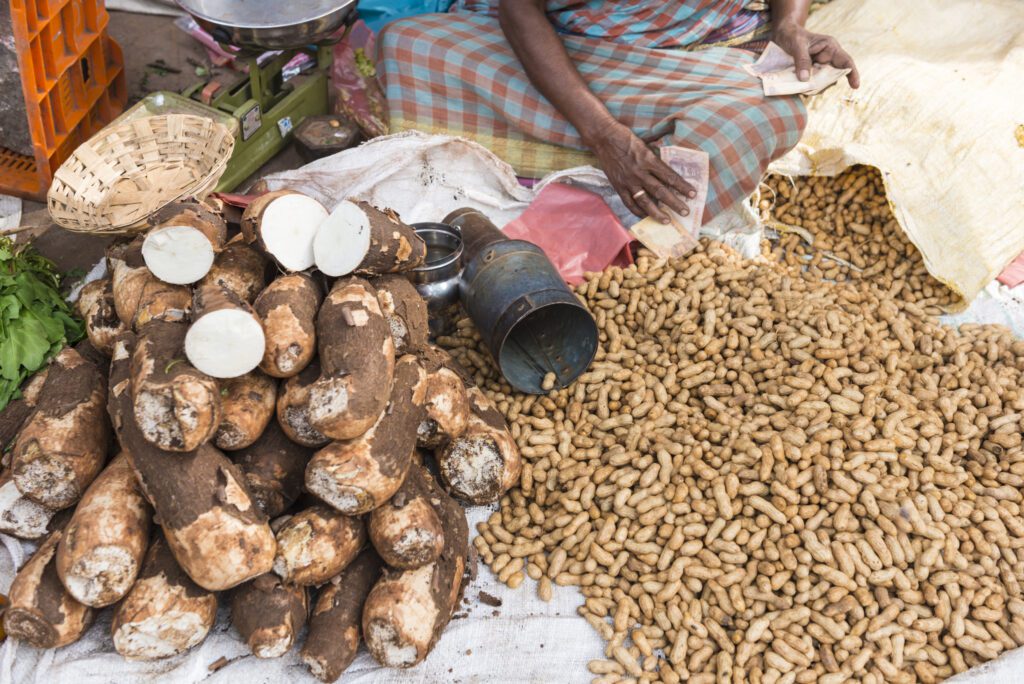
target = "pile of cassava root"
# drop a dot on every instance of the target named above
(259, 433)
(767, 477)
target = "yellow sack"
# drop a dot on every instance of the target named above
(940, 112)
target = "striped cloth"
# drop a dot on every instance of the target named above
(456, 74)
(648, 23)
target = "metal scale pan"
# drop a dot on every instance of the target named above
(270, 24)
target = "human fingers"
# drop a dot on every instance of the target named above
(666, 195)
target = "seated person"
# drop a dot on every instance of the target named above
(548, 84)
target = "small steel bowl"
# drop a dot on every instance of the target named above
(437, 280)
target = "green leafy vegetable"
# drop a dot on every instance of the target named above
(35, 321)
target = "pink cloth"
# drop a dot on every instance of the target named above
(1013, 275)
(576, 229)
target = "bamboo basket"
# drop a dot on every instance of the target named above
(114, 181)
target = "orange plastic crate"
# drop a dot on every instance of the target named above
(72, 77)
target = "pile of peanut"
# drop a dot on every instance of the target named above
(853, 232)
(769, 477)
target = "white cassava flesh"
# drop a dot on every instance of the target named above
(20, 516)
(342, 240)
(179, 255)
(288, 227)
(226, 343)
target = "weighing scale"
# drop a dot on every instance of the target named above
(260, 107)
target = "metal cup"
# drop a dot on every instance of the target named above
(437, 280)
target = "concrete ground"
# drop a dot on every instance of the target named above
(157, 56)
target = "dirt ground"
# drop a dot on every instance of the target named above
(157, 56)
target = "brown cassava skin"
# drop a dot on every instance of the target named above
(394, 246)
(407, 610)
(269, 614)
(359, 475)
(332, 641)
(41, 612)
(357, 361)
(240, 268)
(446, 401)
(165, 613)
(102, 549)
(405, 311)
(17, 411)
(176, 406)
(139, 296)
(195, 214)
(406, 531)
(293, 408)
(287, 309)
(247, 406)
(484, 462)
(218, 536)
(20, 516)
(96, 307)
(63, 445)
(273, 467)
(316, 544)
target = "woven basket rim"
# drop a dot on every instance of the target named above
(84, 182)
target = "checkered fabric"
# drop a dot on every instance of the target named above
(647, 23)
(456, 74)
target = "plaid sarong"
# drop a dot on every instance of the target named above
(456, 74)
(689, 24)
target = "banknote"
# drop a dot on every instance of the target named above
(679, 236)
(777, 71)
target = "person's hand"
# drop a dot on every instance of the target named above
(638, 174)
(807, 48)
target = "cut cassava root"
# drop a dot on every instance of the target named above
(274, 467)
(293, 408)
(217, 534)
(96, 307)
(165, 613)
(406, 531)
(359, 238)
(484, 462)
(103, 545)
(405, 311)
(287, 309)
(63, 445)
(20, 516)
(357, 361)
(247, 407)
(41, 612)
(181, 246)
(316, 544)
(226, 338)
(446, 401)
(334, 626)
(358, 475)
(283, 223)
(240, 268)
(407, 610)
(269, 614)
(176, 406)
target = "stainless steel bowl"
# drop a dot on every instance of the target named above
(270, 24)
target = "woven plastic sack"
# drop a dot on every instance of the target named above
(940, 113)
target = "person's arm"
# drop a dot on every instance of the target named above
(806, 48)
(634, 170)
